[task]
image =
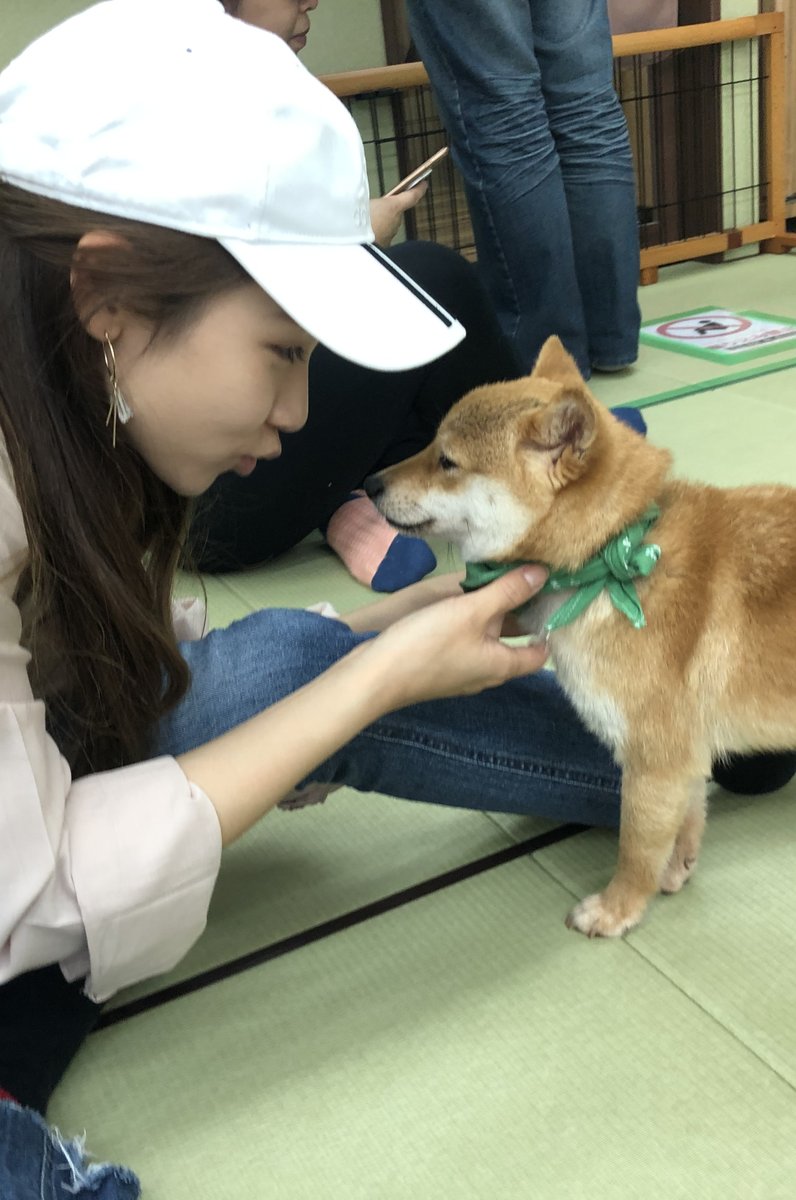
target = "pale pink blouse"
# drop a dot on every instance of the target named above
(110, 876)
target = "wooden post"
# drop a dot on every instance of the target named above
(774, 102)
(788, 9)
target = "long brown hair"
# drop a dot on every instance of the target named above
(104, 533)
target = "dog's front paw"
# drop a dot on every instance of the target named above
(677, 872)
(598, 917)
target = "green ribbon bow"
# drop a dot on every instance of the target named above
(625, 558)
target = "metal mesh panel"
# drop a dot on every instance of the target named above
(694, 122)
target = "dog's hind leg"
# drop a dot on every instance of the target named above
(654, 808)
(683, 861)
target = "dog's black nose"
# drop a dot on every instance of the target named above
(373, 486)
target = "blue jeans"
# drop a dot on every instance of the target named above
(525, 90)
(37, 1164)
(520, 748)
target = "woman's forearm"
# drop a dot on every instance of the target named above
(248, 770)
(373, 618)
(450, 647)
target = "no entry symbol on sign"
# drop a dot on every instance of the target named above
(702, 328)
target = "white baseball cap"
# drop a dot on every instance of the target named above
(173, 113)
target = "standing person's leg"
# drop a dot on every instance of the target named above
(359, 420)
(573, 48)
(488, 85)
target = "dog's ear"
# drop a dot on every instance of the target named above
(563, 431)
(554, 362)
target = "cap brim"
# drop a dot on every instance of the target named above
(354, 300)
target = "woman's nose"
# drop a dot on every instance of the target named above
(289, 414)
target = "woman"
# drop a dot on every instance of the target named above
(161, 292)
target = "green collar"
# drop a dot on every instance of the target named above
(614, 568)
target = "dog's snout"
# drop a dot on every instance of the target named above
(373, 486)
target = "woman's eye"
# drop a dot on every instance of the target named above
(291, 354)
(447, 464)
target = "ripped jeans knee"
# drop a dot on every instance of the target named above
(37, 1163)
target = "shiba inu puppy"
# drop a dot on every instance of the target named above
(670, 608)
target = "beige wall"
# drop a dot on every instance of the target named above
(346, 34)
(24, 20)
(738, 8)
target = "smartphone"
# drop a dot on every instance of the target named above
(419, 174)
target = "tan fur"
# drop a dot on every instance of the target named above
(543, 472)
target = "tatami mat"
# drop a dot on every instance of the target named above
(729, 436)
(764, 282)
(728, 940)
(299, 869)
(466, 1045)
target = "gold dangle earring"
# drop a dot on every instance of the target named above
(118, 407)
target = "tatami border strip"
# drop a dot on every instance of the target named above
(708, 385)
(316, 933)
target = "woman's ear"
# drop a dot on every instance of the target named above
(97, 312)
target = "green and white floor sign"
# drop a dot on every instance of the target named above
(720, 335)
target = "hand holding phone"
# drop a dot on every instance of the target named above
(419, 174)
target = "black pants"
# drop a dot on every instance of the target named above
(43, 1022)
(359, 420)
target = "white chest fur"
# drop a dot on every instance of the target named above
(572, 649)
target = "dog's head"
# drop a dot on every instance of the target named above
(506, 459)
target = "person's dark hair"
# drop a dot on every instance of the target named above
(104, 533)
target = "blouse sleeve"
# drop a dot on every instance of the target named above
(110, 876)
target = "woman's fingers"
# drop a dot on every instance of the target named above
(512, 590)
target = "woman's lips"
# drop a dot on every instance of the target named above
(245, 465)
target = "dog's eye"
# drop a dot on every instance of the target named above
(447, 464)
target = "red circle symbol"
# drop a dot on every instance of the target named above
(702, 327)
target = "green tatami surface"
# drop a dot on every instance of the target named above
(762, 282)
(465, 1044)
(728, 942)
(299, 869)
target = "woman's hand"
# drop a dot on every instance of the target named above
(448, 648)
(376, 617)
(453, 647)
(387, 212)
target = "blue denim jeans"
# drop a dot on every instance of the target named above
(37, 1164)
(525, 90)
(520, 748)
